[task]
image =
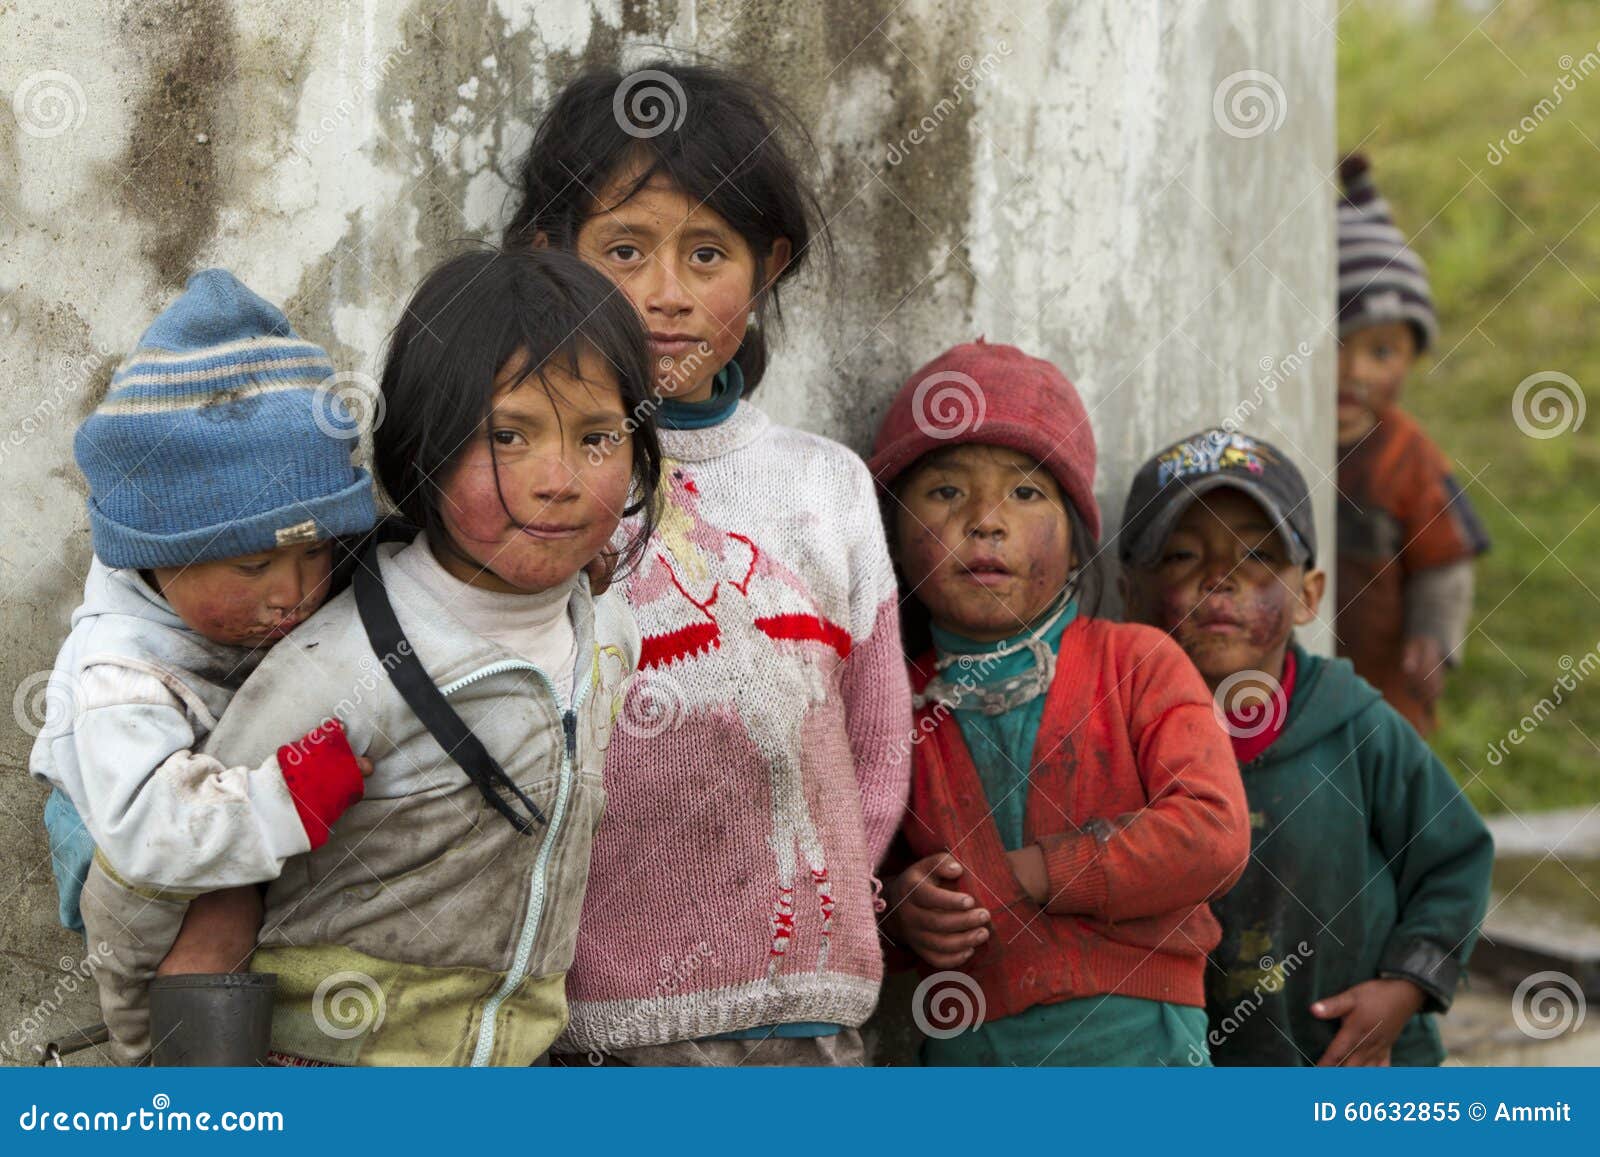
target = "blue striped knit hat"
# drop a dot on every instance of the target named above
(1381, 278)
(217, 439)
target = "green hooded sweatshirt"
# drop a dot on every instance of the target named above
(1366, 861)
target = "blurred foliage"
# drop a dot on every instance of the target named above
(1511, 235)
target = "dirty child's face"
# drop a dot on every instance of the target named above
(252, 600)
(1225, 588)
(530, 502)
(1373, 364)
(691, 276)
(982, 538)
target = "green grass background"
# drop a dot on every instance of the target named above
(1514, 253)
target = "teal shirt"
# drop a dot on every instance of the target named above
(1092, 1030)
(1366, 860)
(726, 390)
(1001, 745)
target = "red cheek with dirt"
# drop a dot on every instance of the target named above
(1257, 619)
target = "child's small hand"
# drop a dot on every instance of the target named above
(365, 766)
(1027, 865)
(1373, 1013)
(941, 925)
(1423, 662)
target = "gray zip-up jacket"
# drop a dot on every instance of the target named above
(428, 930)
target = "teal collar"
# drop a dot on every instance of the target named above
(726, 390)
(996, 677)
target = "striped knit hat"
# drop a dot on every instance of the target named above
(1381, 278)
(215, 439)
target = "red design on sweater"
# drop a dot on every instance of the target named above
(806, 627)
(684, 643)
(323, 778)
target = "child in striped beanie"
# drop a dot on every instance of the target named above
(219, 473)
(1407, 534)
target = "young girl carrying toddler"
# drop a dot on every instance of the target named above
(476, 671)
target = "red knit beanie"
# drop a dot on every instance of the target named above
(993, 395)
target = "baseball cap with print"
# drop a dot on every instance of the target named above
(1206, 461)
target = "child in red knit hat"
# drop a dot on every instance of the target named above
(1074, 803)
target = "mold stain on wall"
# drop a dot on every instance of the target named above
(167, 177)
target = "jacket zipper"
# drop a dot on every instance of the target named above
(536, 883)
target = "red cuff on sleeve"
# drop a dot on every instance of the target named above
(323, 778)
(1077, 880)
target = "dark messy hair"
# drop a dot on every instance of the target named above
(1089, 579)
(466, 321)
(714, 135)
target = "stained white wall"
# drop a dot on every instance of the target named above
(1133, 188)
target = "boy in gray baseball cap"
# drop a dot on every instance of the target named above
(1369, 870)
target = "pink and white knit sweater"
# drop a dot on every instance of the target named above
(761, 763)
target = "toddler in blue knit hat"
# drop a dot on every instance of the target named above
(219, 476)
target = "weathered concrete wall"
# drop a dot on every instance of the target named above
(1100, 181)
